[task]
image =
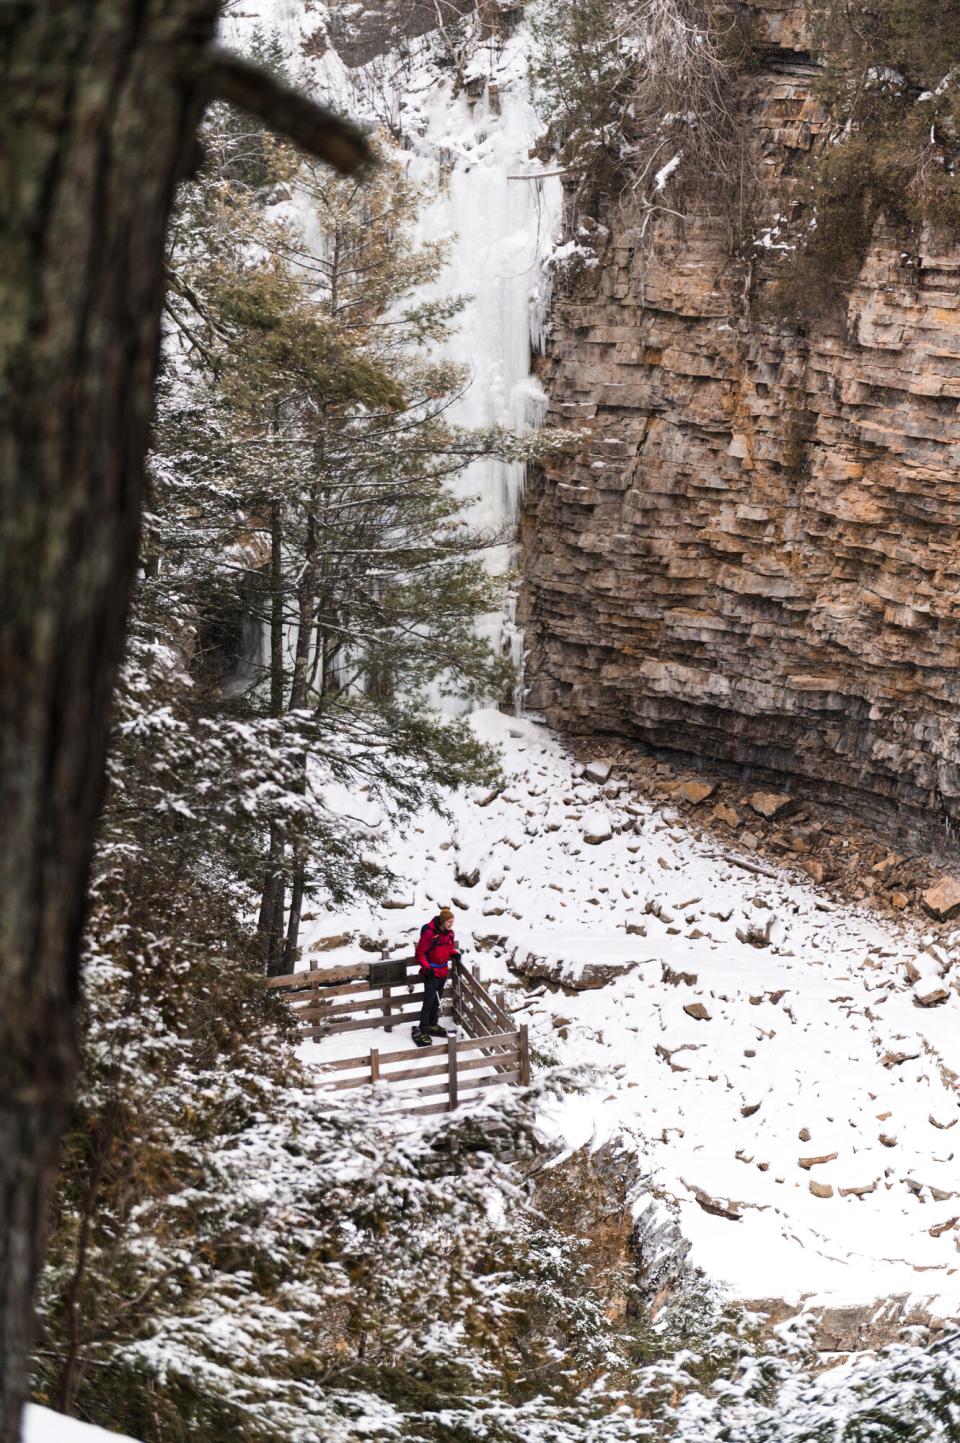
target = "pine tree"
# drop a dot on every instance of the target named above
(310, 417)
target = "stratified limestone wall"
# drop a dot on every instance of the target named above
(755, 558)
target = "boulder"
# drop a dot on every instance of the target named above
(696, 792)
(596, 826)
(485, 941)
(942, 900)
(769, 804)
(397, 904)
(929, 992)
(467, 876)
(598, 771)
(330, 944)
(564, 972)
(726, 815)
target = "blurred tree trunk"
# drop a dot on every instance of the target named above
(99, 107)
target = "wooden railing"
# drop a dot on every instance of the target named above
(493, 1053)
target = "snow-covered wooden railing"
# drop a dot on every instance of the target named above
(493, 1053)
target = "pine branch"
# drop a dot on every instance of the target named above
(312, 127)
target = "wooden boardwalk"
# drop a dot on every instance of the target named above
(388, 993)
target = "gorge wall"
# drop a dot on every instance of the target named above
(753, 556)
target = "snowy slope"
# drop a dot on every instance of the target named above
(40, 1425)
(813, 1045)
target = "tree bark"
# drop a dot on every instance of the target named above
(99, 106)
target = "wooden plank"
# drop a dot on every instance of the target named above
(504, 1054)
(345, 973)
(495, 1039)
(524, 1050)
(499, 1079)
(316, 1008)
(359, 1025)
(410, 1074)
(356, 989)
(374, 1065)
(478, 1020)
(438, 1107)
(451, 1072)
(480, 999)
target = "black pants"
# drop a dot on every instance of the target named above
(432, 992)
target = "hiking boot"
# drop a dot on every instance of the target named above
(422, 1039)
(438, 1031)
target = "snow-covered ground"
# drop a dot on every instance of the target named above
(40, 1425)
(812, 1046)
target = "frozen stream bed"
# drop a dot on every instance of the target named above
(725, 1065)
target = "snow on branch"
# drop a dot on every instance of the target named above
(315, 129)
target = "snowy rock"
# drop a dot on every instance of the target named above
(697, 1011)
(809, 1162)
(565, 972)
(596, 826)
(821, 1189)
(769, 804)
(753, 936)
(371, 944)
(397, 904)
(330, 944)
(598, 771)
(484, 799)
(943, 898)
(929, 992)
(861, 1190)
(467, 876)
(486, 941)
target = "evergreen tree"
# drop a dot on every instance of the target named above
(302, 467)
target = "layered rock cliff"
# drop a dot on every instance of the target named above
(753, 558)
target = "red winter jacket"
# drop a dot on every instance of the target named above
(435, 948)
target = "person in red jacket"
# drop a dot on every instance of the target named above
(436, 949)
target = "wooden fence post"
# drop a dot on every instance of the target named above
(524, 1056)
(374, 1064)
(451, 1073)
(388, 1027)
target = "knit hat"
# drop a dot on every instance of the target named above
(445, 914)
